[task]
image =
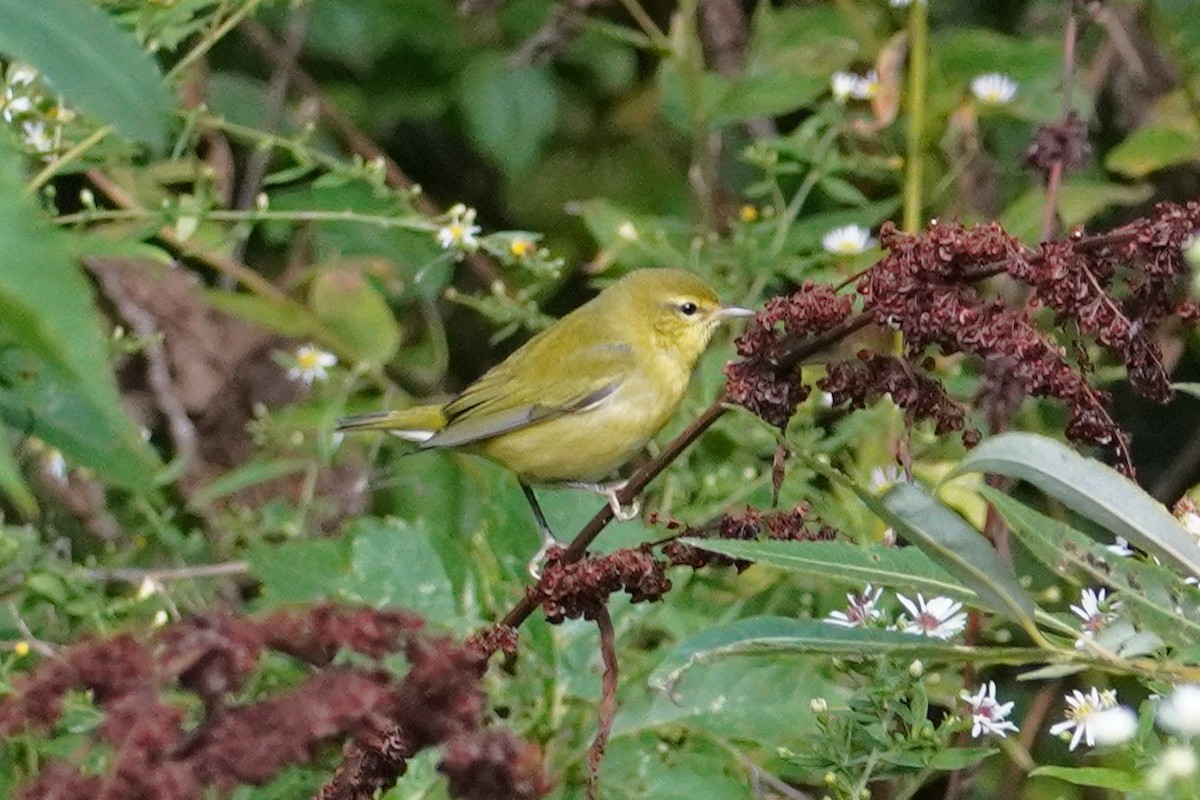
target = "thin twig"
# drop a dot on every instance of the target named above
(158, 371)
(1050, 210)
(608, 700)
(918, 55)
(131, 575)
(274, 105)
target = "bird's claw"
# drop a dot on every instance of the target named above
(622, 513)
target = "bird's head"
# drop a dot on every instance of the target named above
(677, 310)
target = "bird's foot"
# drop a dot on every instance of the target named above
(610, 492)
(550, 542)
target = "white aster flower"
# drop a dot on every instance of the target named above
(1081, 715)
(21, 75)
(15, 106)
(1120, 547)
(1113, 726)
(460, 232)
(1180, 712)
(1177, 762)
(311, 365)
(36, 136)
(940, 618)
(987, 714)
(1096, 611)
(847, 240)
(994, 88)
(843, 85)
(860, 611)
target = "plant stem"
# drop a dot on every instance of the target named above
(918, 65)
(51, 169)
(212, 38)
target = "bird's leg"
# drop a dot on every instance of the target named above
(534, 567)
(609, 491)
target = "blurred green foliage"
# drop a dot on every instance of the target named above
(130, 131)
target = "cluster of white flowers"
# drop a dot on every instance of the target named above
(852, 86)
(938, 617)
(37, 118)
(847, 240)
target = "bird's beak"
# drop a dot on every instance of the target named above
(733, 312)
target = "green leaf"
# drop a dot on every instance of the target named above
(300, 571)
(68, 396)
(357, 313)
(961, 549)
(776, 636)
(1153, 147)
(847, 563)
(284, 318)
(1101, 777)
(1078, 201)
(950, 759)
(509, 112)
(12, 483)
(95, 64)
(1150, 593)
(246, 476)
(393, 564)
(1091, 489)
(1192, 389)
(950, 542)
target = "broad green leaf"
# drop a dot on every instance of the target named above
(1091, 489)
(961, 549)
(1150, 593)
(950, 542)
(633, 239)
(1102, 777)
(509, 111)
(776, 636)
(47, 311)
(96, 65)
(283, 318)
(300, 571)
(640, 767)
(38, 402)
(393, 564)
(344, 301)
(1078, 201)
(1153, 147)
(850, 564)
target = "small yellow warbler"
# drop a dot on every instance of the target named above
(581, 398)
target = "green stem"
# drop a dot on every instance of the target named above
(918, 67)
(213, 37)
(51, 169)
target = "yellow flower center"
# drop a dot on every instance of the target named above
(521, 247)
(748, 213)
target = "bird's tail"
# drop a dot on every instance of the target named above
(417, 424)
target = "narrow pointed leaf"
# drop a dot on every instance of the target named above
(12, 483)
(1089, 488)
(847, 563)
(782, 635)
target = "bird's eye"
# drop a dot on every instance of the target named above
(688, 308)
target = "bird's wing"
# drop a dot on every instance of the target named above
(500, 401)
